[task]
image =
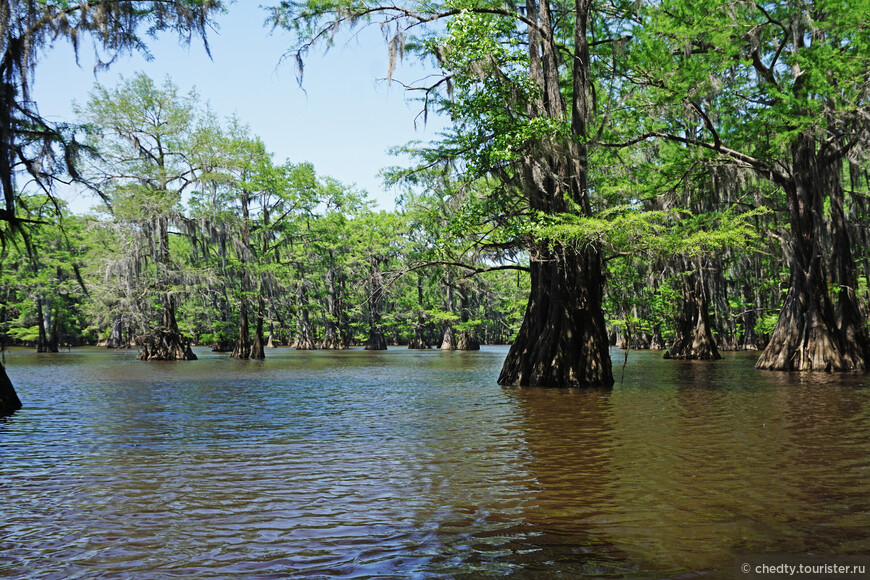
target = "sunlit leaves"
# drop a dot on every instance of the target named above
(659, 234)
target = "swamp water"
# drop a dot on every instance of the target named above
(417, 464)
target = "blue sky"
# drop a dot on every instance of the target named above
(343, 122)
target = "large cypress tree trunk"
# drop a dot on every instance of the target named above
(166, 342)
(9, 401)
(116, 339)
(419, 341)
(376, 340)
(333, 339)
(693, 339)
(258, 351)
(303, 321)
(849, 318)
(44, 342)
(242, 348)
(807, 336)
(7, 150)
(563, 338)
(448, 338)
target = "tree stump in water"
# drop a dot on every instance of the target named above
(165, 344)
(333, 343)
(418, 342)
(563, 338)
(694, 338)
(376, 340)
(467, 341)
(9, 401)
(448, 339)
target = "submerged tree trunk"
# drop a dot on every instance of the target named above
(258, 351)
(333, 339)
(418, 342)
(116, 339)
(48, 339)
(448, 338)
(166, 342)
(563, 338)
(807, 336)
(467, 339)
(376, 340)
(9, 401)
(242, 348)
(303, 321)
(849, 318)
(693, 337)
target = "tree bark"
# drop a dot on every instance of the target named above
(7, 152)
(376, 339)
(467, 340)
(418, 341)
(303, 321)
(166, 342)
(849, 318)
(333, 338)
(693, 338)
(116, 339)
(258, 351)
(242, 348)
(45, 342)
(563, 338)
(448, 339)
(807, 336)
(9, 401)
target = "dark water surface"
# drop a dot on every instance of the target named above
(416, 464)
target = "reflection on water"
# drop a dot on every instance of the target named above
(413, 463)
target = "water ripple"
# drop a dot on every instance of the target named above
(406, 464)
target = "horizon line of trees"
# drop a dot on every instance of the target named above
(204, 239)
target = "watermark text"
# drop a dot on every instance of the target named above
(801, 566)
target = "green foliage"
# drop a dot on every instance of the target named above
(693, 107)
(628, 230)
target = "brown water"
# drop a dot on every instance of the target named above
(416, 464)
